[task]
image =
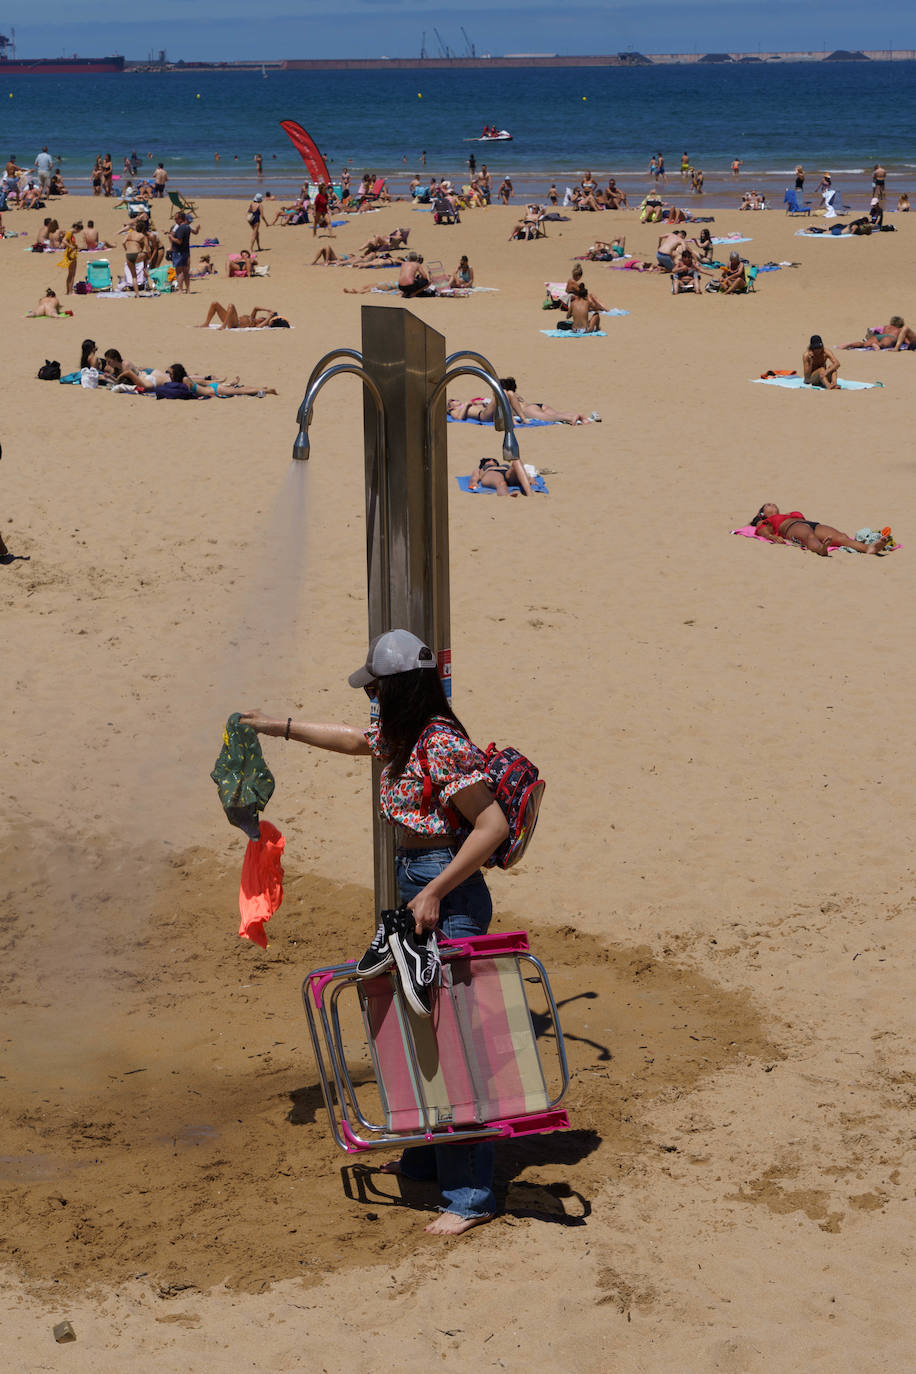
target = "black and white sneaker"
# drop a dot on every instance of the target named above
(378, 956)
(417, 958)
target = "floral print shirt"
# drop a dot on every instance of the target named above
(453, 763)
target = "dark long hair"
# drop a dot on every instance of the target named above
(407, 704)
(88, 350)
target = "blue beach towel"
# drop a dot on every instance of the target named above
(807, 234)
(799, 384)
(727, 240)
(615, 311)
(488, 424)
(537, 484)
(570, 334)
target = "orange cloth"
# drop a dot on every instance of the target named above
(261, 891)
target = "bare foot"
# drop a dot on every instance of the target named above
(392, 1167)
(451, 1224)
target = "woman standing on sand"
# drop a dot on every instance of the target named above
(70, 260)
(442, 843)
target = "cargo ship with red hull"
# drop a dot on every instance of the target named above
(11, 65)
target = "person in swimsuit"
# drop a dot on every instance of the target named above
(895, 335)
(442, 843)
(492, 473)
(579, 312)
(413, 280)
(136, 250)
(820, 365)
(49, 306)
(572, 289)
(795, 528)
(463, 275)
(229, 318)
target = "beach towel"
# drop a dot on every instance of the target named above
(489, 424)
(615, 311)
(571, 334)
(537, 484)
(799, 384)
(247, 329)
(261, 887)
(208, 243)
(732, 238)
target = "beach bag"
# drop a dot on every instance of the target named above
(82, 288)
(514, 781)
(49, 372)
(251, 217)
(244, 781)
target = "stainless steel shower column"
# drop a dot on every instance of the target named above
(406, 360)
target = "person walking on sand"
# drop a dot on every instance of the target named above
(444, 838)
(819, 364)
(253, 215)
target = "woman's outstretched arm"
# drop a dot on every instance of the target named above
(340, 739)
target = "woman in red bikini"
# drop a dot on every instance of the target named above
(794, 528)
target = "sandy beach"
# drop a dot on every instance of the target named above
(720, 886)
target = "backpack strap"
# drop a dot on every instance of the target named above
(454, 818)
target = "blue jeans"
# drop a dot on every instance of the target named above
(464, 1171)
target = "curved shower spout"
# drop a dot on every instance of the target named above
(302, 448)
(510, 443)
(474, 355)
(322, 363)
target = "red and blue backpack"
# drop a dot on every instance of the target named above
(514, 781)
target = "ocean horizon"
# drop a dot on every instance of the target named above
(207, 127)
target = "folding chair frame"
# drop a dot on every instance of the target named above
(321, 992)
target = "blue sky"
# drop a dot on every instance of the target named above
(225, 29)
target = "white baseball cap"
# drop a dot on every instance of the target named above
(398, 651)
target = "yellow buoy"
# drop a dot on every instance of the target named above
(419, 95)
(198, 95)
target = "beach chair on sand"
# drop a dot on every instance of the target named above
(793, 205)
(180, 203)
(98, 274)
(472, 1070)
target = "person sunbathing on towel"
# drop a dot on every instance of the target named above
(795, 528)
(48, 307)
(820, 365)
(229, 318)
(895, 335)
(383, 243)
(584, 319)
(607, 252)
(492, 473)
(484, 409)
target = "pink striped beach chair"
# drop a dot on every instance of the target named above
(471, 1070)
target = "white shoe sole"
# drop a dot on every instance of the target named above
(403, 964)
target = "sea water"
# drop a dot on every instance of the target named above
(838, 116)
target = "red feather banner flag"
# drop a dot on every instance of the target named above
(307, 149)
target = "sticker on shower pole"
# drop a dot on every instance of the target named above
(444, 661)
